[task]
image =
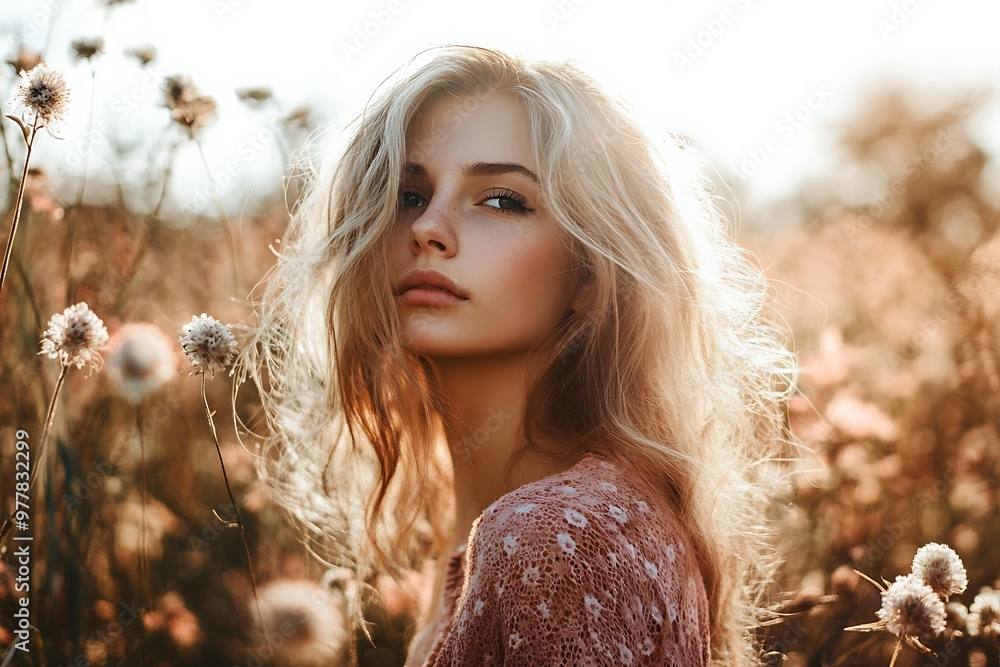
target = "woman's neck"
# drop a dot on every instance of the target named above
(486, 398)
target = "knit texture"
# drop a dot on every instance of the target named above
(578, 568)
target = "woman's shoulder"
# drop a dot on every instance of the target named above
(593, 510)
(584, 566)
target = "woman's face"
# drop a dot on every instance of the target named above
(471, 208)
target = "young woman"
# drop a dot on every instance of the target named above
(502, 334)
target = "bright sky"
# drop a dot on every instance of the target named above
(727, 73)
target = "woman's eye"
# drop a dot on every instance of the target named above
(409, 199)
(508, 202)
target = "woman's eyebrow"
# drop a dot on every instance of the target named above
(478, 169)
(497, 169)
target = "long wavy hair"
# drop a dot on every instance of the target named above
(673, 367)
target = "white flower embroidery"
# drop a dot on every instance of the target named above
(643, 507)
(647, 646)
(630, 548)
(618, 513)
(567, 543)
(510, 544)
(608, 486)
(672, 611)
(478, 608)
(671, 554)
(575, 518)
(566, 490)
(524, 509)
(514, 641)
(613, 557)
(592, 605)
(651, 570)
(654, 611)
(543, 609)
(624, 654)
(531, 576)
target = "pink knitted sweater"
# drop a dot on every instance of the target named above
(578, 568)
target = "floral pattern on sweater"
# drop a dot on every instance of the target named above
(578, 568)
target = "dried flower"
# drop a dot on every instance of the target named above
(43, 94)
(255, 95)
(75, 336)
(25, 60)
(910, 608)
(299, 117)
(956, 617)
(187, 105)
(984, 614)
(208, 343)
(141, 359)
(940, 568)
(310, 619)
(87, 48)
(144, 54)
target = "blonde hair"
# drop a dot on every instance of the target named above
(670, 368)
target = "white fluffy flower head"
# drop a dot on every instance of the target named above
(208, 343)
(141, 359)
(940, 568)
(911, 608)
(75, 336)
(43, 94)
(984, 614)
(310, 618)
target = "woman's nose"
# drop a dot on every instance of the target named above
(436, 226)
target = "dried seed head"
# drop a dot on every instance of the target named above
(208, 343)
(910, 608)
(141, 359)
(984, 614)
(187, 105)
(43, 94)
(254, 95)
(940, 568)
(75, 337)
(317, 632)
(87, 48)
(144, 54)
(25, 60)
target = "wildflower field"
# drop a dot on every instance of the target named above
(135, 530)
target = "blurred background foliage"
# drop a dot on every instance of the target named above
(887, 272)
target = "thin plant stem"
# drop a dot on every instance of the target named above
(149, 229)
(17, 205)
(143, 551)
(49, 419)
(7, 155)
(222, 214)
(236, 512)
(71, 234)
(895, 652)
(8, 524)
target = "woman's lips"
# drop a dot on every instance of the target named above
(428, 296)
